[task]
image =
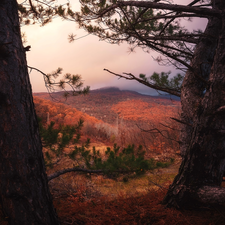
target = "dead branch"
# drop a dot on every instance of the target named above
(33, 8)
(211, 195)
(74, 169)
(179, 121)
(168, 127)
(156, 130)
(77, 169)
(158, 185)
(61, 172)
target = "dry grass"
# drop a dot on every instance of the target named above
(129, 185)
(98, 200)
(95, 200)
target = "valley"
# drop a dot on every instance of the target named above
(114, 116)
(98, 103)
(123, 117)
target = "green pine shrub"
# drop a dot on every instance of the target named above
(115, 161)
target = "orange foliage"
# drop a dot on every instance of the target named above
(60, 113)
(138, 110)
(66, 115)
(149, 116)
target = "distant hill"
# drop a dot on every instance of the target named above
(100, 102)
(116, 91)
(168, 96)
(106, 89)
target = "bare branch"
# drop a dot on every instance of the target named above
(32, 7)
(179, 121)
(186, 38)
(172, 48)
(168, 127)
(74, 169)
(156, 130)
(194, 2)
(157, 185)
(61, 172)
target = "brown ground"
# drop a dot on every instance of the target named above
(138, 207)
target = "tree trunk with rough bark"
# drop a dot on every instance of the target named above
(203, 111)
(24, 192)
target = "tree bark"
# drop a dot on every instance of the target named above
(24, 192)
(203, 144)
(193, 88)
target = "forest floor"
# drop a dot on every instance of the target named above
(98, 200)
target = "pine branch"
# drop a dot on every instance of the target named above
(176, 8)
(177, 15)
(168, 47)
(165, 16)
(166, 53)
(186, 38)
(129, 76)
(72, 80)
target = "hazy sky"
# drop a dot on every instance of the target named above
(88, 56)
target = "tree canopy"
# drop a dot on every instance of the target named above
(149, 25)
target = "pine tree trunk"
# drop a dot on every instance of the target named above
(24, 192)
(203, 110)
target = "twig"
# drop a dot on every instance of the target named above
(179, 121)
(158, 131)
(169, 127)
(157, 185)
(76, 169)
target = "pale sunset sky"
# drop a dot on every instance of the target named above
(88, 56)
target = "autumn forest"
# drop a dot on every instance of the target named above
(123, 117)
